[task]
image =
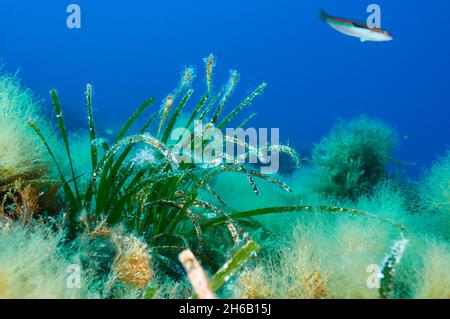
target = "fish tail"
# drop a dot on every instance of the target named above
(323, 15)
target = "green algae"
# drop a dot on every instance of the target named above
(171, 207)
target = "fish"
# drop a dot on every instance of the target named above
(356, 29)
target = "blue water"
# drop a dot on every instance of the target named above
(130, 50)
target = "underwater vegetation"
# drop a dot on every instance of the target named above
(436, 186)
(133, 221)
(33, 266)
(21, 151)
(354, 157)
(27, 175)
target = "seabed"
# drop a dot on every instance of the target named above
(89, 215)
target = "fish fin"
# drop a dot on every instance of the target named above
(323, 15)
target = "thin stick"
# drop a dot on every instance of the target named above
(196, 275)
